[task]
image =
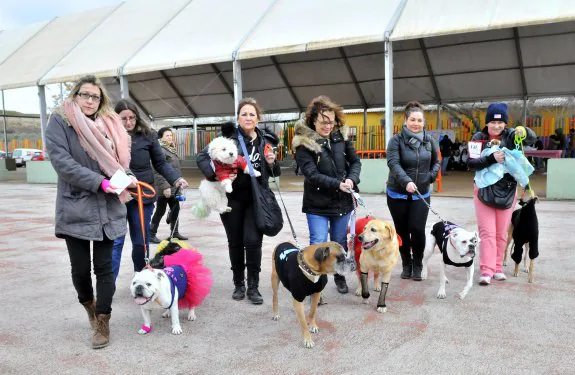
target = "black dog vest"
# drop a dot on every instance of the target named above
(292, 277)
(441, 233)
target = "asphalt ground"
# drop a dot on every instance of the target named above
(509, 327)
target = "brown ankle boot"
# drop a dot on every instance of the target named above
(101, 336)
(91, 310)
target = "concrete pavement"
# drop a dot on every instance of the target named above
(510, 327)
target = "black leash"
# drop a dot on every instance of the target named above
(429, 206)
(298, 245)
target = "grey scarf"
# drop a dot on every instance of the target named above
(413, 139)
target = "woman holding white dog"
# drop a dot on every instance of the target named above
(412, 158)
(331, 167)
(87, 145)
(244, 239)
(493, 218)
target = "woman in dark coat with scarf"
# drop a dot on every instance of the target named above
(413, 161)
(244, 239)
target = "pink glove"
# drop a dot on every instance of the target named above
(105, 184)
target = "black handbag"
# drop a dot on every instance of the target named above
(267, 212)
(499, 195)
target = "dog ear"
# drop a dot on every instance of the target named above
(228, 129)
(390, 230)
(321, 254)
(159, 275)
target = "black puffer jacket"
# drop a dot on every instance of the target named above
(325, 164)
(146, 149)
(242, 187)
(409, 162)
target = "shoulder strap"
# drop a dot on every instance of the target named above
(245, 151)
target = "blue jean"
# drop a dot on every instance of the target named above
(444, 163)
(320, 226)
(135, 228)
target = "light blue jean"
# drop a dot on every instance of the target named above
(135, 229)
(320, 226)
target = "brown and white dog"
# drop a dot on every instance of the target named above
(379, 254)
(304, 273)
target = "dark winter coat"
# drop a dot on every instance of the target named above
(325, 163)
(410, 163)
(242, 187)
(83, 210)
(147, 152)
(161, 183)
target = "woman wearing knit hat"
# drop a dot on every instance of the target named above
(494, 204)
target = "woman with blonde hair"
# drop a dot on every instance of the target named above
(87, 144)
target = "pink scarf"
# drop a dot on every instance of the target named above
(104, 140)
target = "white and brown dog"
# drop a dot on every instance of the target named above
(458, 248)
(304, 273)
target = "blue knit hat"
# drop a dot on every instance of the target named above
(496, 112)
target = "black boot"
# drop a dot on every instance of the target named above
(340, 283)
(417, 268)
(253, 293)
(153, 232)
(240, 286)
(407, 262)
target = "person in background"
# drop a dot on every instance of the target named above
(445, 146)
(87, 145)
(146, 153)
(493, 223)
(571, 145)
(413, 161)
(557, 141)
(166, 192)
(331, 167)
(244, 238)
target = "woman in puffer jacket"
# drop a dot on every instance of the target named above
(412, 158)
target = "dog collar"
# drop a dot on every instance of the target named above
(312, 276)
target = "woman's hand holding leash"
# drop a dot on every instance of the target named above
(346, 186)
(134, 182)
(182, 183)
(411, 188)
(167, 192)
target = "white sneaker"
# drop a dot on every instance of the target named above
(485, 280)
(499, 276)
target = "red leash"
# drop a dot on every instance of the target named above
(140, 195)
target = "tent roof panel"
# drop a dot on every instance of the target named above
(115, 40)
(206, 31)
(36, 57)
(302, 25)
(480, 85)
(11, 40)
(423, 18)
(555, 80)
(544, 50)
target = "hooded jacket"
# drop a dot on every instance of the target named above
(325, 163)
(412, 161)
(242, 187)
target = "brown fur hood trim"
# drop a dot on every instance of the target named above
(307, 137)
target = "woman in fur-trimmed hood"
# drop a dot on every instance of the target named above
(331, 168)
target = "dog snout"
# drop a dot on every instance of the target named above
(139, 291)
(231, 154)
(360, 238)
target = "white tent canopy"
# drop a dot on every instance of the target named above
(177, 57)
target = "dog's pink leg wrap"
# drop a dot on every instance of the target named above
(145, 329)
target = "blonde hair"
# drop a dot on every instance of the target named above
(105, 105)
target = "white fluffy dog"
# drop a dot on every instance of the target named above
(224, 154)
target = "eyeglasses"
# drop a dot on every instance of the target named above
(87, 97)
(326, 123)
(129, 118)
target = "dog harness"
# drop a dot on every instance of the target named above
(178, 279)
(441, 233)
(223, 171)
(292, 277)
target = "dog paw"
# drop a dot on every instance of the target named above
(358, 292)
(504, 263)
(276, 317)
(462, 295)
(365, 301)
(423, 275)
(257, 173)
(441, 294)
(526, 270)
(446, 280)
(192, 315)
(228, 209)
(377, 288)
(515, 273)
(381, 309)
(313, 328)
(166, 314)
(177, 330)
(308, 343)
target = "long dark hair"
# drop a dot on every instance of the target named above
(141, 125)
(322, 104)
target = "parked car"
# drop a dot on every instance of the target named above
(22, 155)
(38, 155)
(3, 155)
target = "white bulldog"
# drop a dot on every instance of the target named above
(458, 248)
(153, 285)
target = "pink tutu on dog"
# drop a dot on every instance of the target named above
(199, 277)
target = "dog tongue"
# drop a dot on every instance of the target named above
(140, 300)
